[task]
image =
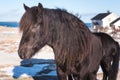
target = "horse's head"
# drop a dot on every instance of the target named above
(33, 37)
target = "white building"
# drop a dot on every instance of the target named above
(116, 24)
(104, 20)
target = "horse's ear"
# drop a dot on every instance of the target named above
(40, 8)
(26, 7)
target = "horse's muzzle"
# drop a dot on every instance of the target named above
(23, 55)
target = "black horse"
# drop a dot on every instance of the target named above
(75, 47)
(110, 60)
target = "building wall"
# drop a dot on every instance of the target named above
(117, 25)
(108, 19)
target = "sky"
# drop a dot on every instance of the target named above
(12, 10)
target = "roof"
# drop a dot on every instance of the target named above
(115, 21)
(100, 16)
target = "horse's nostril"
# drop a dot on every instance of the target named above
(20, 56)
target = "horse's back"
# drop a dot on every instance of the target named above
(104, 37)
(107, 41)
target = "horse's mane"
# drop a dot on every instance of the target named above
(30, 17)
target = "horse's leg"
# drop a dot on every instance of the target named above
(114, 67)
(105, 69)
(75, 77)
(92, 76)
(61, 75)
(89, 76)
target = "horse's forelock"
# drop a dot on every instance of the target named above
(28, 19)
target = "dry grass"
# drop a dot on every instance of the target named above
(9, 39)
